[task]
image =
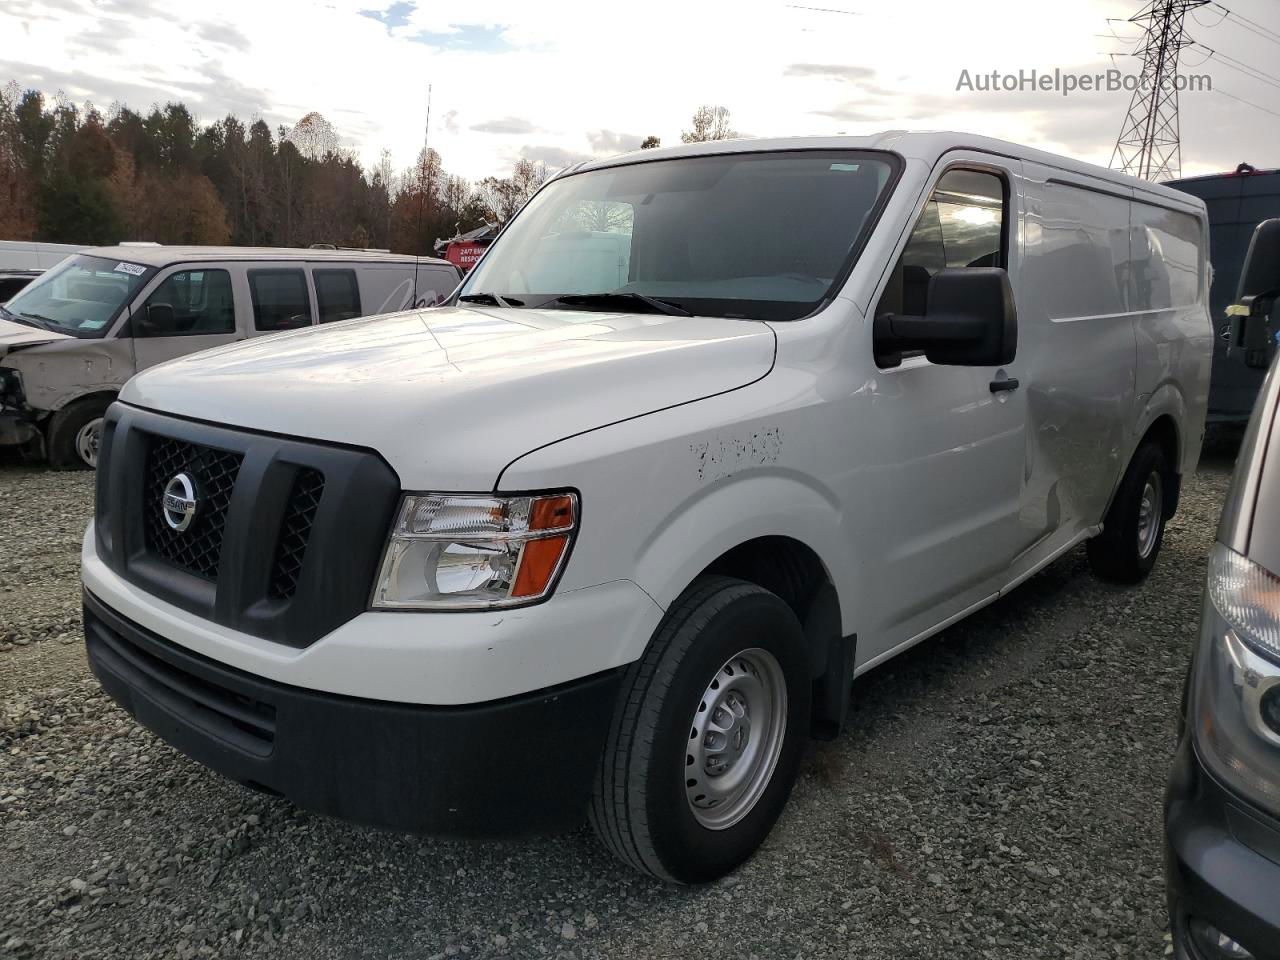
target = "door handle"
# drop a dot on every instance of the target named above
(1008, 383)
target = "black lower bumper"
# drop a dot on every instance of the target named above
(1222, 864)
(16, 428)
(519, 765)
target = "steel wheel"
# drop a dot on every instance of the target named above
(88, 439)
(735, 738)
(1150, 512)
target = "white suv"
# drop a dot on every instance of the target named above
(707, 432)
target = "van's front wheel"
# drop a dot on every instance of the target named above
(1133, 531)
(707, 735)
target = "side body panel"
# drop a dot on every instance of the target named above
(1076, 325)
(1169, 294)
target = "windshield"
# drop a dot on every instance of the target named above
(81, 296)
(764, 236)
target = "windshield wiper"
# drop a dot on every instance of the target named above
(620, 299)
(492, 299)
(27, 320)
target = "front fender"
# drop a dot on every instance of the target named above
(714, 519)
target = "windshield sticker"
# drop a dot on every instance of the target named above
(845, 167)
(133, 269)
(92, 324)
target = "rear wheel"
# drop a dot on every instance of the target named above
(1133, 531)
(707, 735)
(75, 434)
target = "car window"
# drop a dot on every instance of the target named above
(962, 225)
(337, 294)
(280, 299)
(189, 303)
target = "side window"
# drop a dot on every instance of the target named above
(337, 294)
(190, 303)
(280, 299)
(962, 225)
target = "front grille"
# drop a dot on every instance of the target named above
(198, 549)
(286, 536)
(237, 719)
(295, 532)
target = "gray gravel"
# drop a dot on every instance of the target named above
(998, 796)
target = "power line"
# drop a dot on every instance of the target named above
(1247, 103)
(1252, 25)
(1253, 73)
(1150, 143)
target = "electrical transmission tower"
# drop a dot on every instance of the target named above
(1149, 143)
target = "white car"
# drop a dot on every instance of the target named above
(707, 432)
(70, 339)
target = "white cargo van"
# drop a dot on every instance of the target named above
(70, 340)
(610, 535)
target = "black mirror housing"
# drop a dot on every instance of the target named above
(1256, 296)
(970, 321)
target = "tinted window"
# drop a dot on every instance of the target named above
(190, 303)
(280, 300)
(337, 294)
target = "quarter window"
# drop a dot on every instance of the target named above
(280, 299)
(190, 303)
(337, 294)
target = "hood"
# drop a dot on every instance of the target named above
(450, 396)
(16, 335)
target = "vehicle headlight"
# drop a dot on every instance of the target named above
(10, 385)
(1236, 701)
(475, 552)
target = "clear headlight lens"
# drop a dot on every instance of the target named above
(474, 552)
(1236, 703)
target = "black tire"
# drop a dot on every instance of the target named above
(64, 432)
(1119, 553)
(640, 808)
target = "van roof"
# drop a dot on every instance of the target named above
(928, 146)
(161, 256)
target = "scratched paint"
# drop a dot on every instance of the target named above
(723, 456)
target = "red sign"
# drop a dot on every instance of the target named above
(464, 255)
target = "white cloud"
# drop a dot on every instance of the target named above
(576, 78)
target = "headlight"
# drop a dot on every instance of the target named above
(1236, 706)
(475, 552)
(10, 385)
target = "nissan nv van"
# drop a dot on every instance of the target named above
(707, 432)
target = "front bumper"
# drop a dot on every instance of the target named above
(519, 765)
(410, 657)
(1222, 863)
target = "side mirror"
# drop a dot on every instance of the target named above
(970, 321)
(156, 320)
(1251, 327)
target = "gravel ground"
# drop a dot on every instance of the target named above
(998, 796)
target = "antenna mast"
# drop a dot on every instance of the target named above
(1149, 145)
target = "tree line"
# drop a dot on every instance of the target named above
(74, 174)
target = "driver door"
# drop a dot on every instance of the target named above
(193, 308)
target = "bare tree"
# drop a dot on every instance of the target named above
(709, 123)
(314, 136)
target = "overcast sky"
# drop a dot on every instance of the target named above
(564, 80)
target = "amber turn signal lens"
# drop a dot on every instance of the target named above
(538, 565)
(551, 513)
